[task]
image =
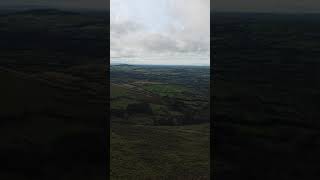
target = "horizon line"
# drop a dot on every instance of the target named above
(207, 65)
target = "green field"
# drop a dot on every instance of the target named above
(165, 89)
(157, 131)
(149, 151)
(117, 91)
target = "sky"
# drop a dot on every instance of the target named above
(166, 32)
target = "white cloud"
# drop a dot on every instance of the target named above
(149, 29)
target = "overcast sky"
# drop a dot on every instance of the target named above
(160, 32)
(282, 6)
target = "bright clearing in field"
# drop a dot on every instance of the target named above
(166, 32)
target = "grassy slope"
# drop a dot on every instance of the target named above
(151, 151)
(141, 150)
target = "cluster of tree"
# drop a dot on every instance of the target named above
(175, 104)
(139, 108)
(136, 108)
(118, 113)
(186, 117)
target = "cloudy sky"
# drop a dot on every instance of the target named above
(160, 32)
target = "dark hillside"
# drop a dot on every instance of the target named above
(266, 96)
(53, 97)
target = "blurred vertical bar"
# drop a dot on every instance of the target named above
(211, 94)
(54, 61)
